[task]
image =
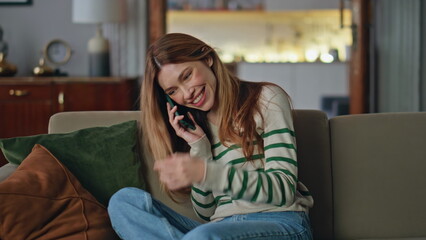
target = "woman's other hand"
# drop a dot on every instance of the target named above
(180, 170)
(187, 134)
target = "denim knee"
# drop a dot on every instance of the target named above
(200, 232)
(125, 197)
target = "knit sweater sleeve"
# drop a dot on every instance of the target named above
(202, 199)
(276, 182)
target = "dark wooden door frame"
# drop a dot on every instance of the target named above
(359, 63)
(156, 19)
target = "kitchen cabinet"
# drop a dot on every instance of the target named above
(306, 83)
(26, 103)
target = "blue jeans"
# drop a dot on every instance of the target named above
(135, 215)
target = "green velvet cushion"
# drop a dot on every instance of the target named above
(104, 159)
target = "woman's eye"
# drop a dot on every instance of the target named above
(187, 75)
(170, 93)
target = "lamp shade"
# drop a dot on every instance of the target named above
(97, 11)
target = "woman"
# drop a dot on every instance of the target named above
(239, 161)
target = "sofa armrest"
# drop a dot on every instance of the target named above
(314, 160)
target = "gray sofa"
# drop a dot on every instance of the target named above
(367, 173)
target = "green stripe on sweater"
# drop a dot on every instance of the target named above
(243, 159)
(225, 152)
(202, 216)
(223, 203)
(216, 145)
(244, 186)
(285, 171)
(208, 205)
(217, 199)
(278, 131)
(280, 145)
(270, 189)
(230, 148)
(231, 178)
(292, 186)
(199, 191)
(283, 199)
(219, 203)
(282, 159)
(258, 187)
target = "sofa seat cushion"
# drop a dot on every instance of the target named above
(43, 200)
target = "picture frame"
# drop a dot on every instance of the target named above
(15, 2)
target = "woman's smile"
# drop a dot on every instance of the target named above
(199, 100)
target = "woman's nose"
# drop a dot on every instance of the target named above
(188, 93)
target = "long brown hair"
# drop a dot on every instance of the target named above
(236, 121)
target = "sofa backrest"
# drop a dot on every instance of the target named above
(313, 147)
(314, 159)
(379, 178)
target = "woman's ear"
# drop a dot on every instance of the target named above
(209, 61)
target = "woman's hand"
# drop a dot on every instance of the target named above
(187, 134)
(180, 170)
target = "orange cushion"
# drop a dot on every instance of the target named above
(43, 200)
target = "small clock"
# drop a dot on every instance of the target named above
(57, 52)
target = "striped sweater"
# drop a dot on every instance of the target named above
(267, 184)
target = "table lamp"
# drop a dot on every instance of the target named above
(98, 12)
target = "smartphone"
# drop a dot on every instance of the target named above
(186, 122)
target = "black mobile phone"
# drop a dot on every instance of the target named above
(186, 122)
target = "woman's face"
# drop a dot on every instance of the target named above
(191, 84)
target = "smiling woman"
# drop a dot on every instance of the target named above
(240, 160)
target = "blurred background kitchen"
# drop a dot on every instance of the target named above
(340, 56)
(299, 45)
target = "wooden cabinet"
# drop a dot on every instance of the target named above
(96, 95)
(25, 109)
(27, 103)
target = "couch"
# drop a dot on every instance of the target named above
(367, 172)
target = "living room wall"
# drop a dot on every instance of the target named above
(28, 28)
